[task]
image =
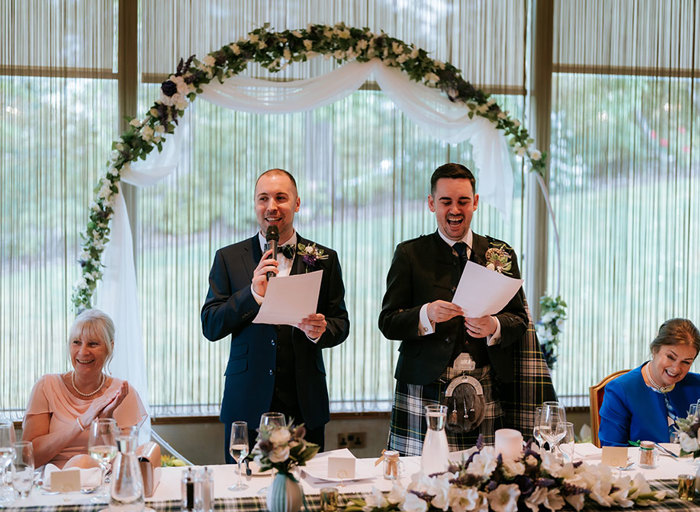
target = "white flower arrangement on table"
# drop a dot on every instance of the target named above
(549, 327)
(274, 51)
(483, 482)
(688, 434)
(283, 448)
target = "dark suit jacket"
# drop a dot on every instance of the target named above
(230, 308)
(426, 269)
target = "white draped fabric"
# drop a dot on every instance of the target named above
(117, 293)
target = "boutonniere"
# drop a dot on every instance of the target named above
(310, 254)
(498, 259)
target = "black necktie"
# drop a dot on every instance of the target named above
(288, 251)
(461, 250)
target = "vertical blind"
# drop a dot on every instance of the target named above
(624, 169)
(625, 176)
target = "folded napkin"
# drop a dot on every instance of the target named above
(149, 461)
(89, 477)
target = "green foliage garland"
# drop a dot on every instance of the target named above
(274, 51)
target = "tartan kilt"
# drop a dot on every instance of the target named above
(532, 384)
(408, 425)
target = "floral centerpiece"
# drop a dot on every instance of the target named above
(553, 315)
(483, 481)
(282, 448)
(688, 434)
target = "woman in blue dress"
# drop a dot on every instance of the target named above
(643, 404)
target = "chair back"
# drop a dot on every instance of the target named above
(597, 392)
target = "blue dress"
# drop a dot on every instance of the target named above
(633, 411)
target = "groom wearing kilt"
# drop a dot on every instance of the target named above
(478, 367)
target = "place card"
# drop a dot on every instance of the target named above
(67, 480)
(341, 467)
(615, 456)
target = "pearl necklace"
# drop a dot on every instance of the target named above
(654, 385)
(86, 395)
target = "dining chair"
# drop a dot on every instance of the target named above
(596, 392)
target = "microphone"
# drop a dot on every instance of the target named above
(272, 237)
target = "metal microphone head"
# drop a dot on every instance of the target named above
(272, 234)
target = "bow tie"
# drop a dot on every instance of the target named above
(288, 251)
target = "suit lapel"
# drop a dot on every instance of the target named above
(254, 253)
(298, 264)
(479, 247)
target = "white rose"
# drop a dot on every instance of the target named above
(287, 54)
(253, 38)
(535, 154)
(432, 77)
(135, 123)
(279, 454)
(688, 444)
(397, 48)
(402, 58)
(484, 463)
(235, 49)
(413, 503)
(262, 45)
(296, 33)
(521, 151)
(147, 133)
(397, 494)
(375, 499)
(308, 44)
(504, 498)
(160, 129)
(463, 499)
(280, 436)
(441, 490)
(361, 45)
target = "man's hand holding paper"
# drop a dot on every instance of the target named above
(482, 292)
(292, 300)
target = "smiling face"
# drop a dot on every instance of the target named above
(453, 201)
(671, 363)
(276, 202)
(88, 350)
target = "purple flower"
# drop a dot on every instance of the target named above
(169, 88)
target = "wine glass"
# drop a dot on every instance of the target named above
(552, 425)
(568, 442)
(7, 439)
(238, 448)
(273, 419)
(102, 446)
(23, 468)
(536, 433)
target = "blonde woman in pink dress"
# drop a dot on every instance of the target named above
(62, 406)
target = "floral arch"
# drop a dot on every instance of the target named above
(194, 78)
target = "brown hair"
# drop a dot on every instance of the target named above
(676, 331)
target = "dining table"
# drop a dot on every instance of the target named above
(368, 476)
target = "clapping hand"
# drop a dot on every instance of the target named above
(104, 406)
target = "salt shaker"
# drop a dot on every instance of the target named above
(204, 490)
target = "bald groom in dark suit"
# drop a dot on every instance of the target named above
(274, 367)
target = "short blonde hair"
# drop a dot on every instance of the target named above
(94, 323)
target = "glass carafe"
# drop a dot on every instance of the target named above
(127, 483)
(435, 450)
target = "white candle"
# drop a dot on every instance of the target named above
(509, 443)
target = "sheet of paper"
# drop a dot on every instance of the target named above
(289, 299)
(482, 292)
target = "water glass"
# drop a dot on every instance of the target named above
(536, 428)
(7, 439)
(568, 442)
(552, 423)
(102, 446)
(238, 448)
(23, 468)
(273, 419)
